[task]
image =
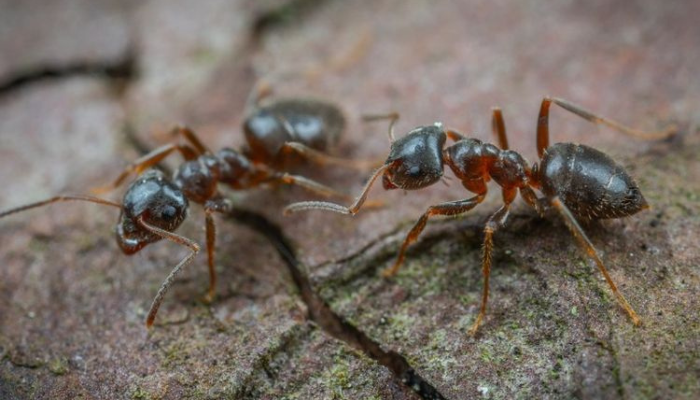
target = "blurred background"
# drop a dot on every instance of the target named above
(85, 84)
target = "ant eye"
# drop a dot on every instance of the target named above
(168, 212)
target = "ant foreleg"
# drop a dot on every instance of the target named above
(583, 240)
(327, 206)
(147, 161)
(392, 117)
(194, 247)
(322, 158)
(498, 128)
(219, 205)
(543, 123)
(448, 208)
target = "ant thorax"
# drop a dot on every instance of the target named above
(473, 160)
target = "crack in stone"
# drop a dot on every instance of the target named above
(119, 72)
(321, 313)
(286, 13)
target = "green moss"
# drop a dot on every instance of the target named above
(140, 394)
(58, 366)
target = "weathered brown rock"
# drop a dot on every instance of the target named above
(72, 306)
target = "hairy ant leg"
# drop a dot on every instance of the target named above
(58, 199)
(498, 128)
(543, 123)
(194, 248)
(586, 244)
(496, 221)
(450, 208)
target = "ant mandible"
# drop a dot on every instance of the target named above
(577, 180)
(154, 206)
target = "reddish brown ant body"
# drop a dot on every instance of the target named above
(154, 206)
(577, 180)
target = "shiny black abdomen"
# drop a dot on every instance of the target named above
(590, 183)
(314, 123)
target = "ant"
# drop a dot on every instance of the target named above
(577, 180)
(154, 206)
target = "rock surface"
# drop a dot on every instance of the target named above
(326, 325)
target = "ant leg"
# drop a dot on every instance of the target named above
(57, 199)
(454, 135)
(497, 220)
(327, 206)
(261, 89)
(321, 158)
(392, 117)
(583, 240)
(143, 163)
(191, 137)
(194, 247)
(220, 205)
(211, 241)
(308, 184)
(531, 199)
(448, 208)
(543, 123)
(498, 127)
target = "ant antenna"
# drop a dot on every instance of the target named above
(58, 199)
(392, 116)
(328, 206)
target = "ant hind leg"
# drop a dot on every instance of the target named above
(586, 244)
(543, 123)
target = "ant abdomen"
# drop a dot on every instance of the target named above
(313, 123)
(157, 202)
(590, 183)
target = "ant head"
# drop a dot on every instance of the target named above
(155, 200)
(416, 159)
